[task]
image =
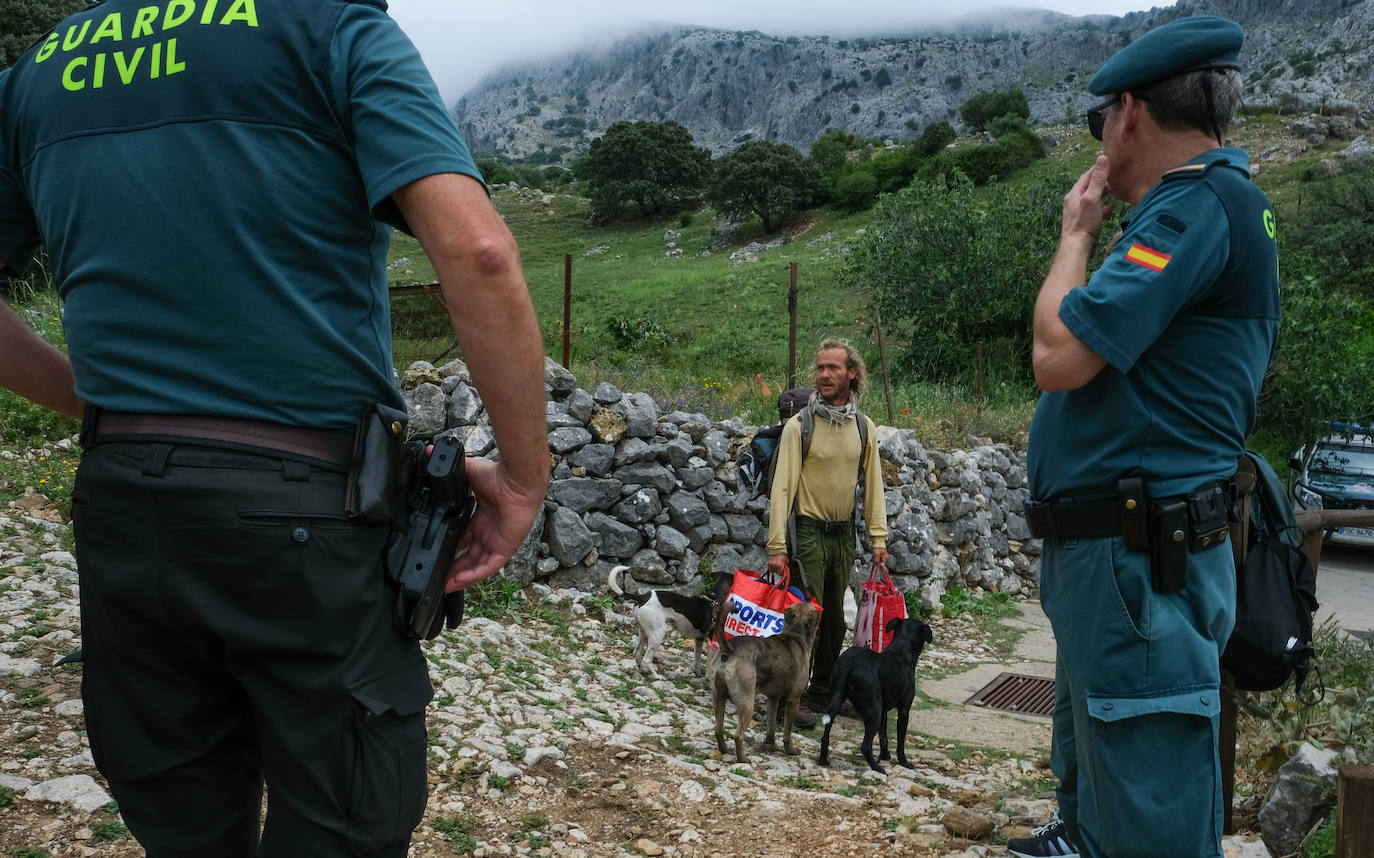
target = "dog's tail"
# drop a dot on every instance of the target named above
(838, 680)
(613, 582)
(613, 579)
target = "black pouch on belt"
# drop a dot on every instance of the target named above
(375, 494)
(1208, 517)
(1135, 513)
(1169, 545)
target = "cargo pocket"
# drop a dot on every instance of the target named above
(1154, 768)
(387, 778)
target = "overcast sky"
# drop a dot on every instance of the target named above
(463, 41)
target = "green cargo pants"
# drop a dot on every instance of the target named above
(1137, 700)
(237, 632)
(826, 561)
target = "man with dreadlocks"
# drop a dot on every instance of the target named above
(821, 451)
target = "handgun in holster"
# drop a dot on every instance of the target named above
(440, 505)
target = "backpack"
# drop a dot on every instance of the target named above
(754, 466)
(1276, 594)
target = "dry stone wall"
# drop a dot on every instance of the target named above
(656, 491)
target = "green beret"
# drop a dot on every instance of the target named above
(1184, 45)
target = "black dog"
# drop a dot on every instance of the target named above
(876, 682)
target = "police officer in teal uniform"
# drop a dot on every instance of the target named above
(1151, 369)
(215, 182)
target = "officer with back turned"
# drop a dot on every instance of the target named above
(214, 184)
(1151, 370)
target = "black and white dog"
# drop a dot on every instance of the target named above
(692, 615)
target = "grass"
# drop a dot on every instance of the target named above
(986, 610)
(694, 332)
(456, 829)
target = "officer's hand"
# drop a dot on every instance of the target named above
(777, 564)
(1084, 209)
(879, 556)
(505, 513)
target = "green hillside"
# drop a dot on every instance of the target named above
(698, 328)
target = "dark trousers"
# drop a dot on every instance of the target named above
(826, 560)
(236, 632)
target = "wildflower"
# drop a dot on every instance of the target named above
(906, 410)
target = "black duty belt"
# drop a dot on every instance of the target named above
(1084, 520)
(824, 526)
(1127, 513)
(330, 446)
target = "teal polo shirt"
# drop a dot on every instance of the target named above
(1185, 312)
(212, 181)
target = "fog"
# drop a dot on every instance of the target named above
(462, 42)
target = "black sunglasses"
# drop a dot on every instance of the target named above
(1096, 117)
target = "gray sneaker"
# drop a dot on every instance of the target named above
(1047, 841)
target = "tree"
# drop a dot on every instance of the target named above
(1322, 368)
(831, 150)
(652, 164)
(954, 270)
(984, 107)
(1332, 229)
(934, 138)
(23, 22)
(771, 180)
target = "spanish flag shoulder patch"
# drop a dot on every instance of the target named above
(1148, 257)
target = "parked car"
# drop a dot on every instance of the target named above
(1337, 472)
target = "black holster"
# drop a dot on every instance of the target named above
(375, 493)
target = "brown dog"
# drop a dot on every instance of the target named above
(777, 667)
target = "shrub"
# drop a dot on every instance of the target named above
(856, 190)
(984, 107)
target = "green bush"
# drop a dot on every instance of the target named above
(990, 162)
(984, 107)
(934, 138)
(855, 190)
(1006, 124)
(953, 271)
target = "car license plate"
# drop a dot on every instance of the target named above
(1362, 532)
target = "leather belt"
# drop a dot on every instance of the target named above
(1084, 520)
(824, 526)
(1100, 518)
(331, 446)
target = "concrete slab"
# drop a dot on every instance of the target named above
(1008, 731)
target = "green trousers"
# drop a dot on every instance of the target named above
(237, 633)
(1137, 698)
(826, 561)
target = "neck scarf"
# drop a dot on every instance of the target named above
(837, 414)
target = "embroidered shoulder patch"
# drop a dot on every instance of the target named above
(1148, 257)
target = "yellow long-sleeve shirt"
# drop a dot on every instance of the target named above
(824, 484)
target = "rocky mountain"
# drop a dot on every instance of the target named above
(730, 87)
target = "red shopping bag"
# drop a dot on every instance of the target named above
(879, 602)
(760, 601)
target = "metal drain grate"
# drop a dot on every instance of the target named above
(1014, 692)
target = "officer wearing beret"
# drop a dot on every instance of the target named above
(1150, 369)
(214, 184)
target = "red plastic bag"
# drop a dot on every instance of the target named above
(760, 602)
(879, 603)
